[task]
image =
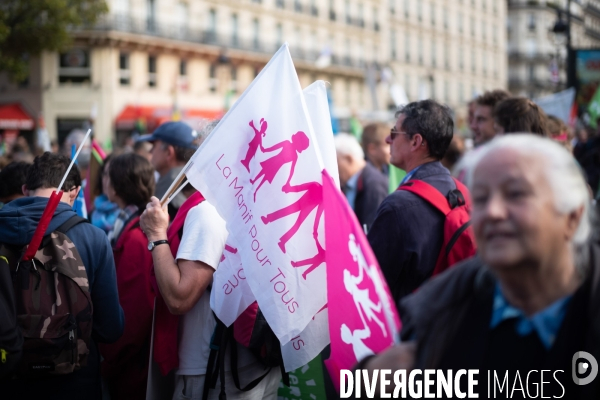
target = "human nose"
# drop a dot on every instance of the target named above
(388, 139)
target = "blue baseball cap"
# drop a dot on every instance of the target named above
(175, 133)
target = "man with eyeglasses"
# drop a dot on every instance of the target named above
(407, 233)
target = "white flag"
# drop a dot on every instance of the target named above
(231, 293)
(261, 168)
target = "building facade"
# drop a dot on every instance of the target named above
(149, 60)
(537, 55)
(447, 50)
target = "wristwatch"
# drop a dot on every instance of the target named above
(152, 245)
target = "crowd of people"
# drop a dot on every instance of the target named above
(527, 300)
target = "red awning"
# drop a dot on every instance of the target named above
(152, 116)
(12, 116)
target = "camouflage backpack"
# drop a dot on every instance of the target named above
(54, 308)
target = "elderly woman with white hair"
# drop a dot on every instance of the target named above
(528, 304)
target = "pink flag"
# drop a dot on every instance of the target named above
(362, 317)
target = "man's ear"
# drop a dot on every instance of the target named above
(25, 191)
(171, 152)
(73, 195)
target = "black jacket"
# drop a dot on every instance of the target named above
(408, 233)
(372, 189)
(449, 319)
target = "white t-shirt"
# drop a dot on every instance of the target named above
(204, 236)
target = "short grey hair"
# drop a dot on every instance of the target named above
(562, 171)
(346, 144)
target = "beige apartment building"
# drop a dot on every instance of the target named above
(537, 57)
(450, 50)
(148, 60)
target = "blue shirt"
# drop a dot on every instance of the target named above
(546, 322)
(409, 176)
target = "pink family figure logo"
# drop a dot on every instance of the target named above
(255, 142)
(288, 154)
(311, 199)
(230, 249)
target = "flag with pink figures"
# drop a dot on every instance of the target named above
(261, 169)
(363, 319)
(232, 294)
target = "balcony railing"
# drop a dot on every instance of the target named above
(209, 37)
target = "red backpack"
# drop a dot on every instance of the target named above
(459, 241)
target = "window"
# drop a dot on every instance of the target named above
(392, 7)
(278, 35)
(472, 27)
(152, 71)
(484, 63)
(432, 15)
(151, 15)
(393, 44)
(483, 30)
(332, 10)
(124, 72)
(473, 63)
(459, 22)
(531, 72)
(376, 19)
(255, 34)
(461, 93)
(407, 84)
(446, 58)
(461, 57)
(361, 15)
(445, 19)
(407, 47)
(182, 19)
(234, 30)
(420, 51)
(298, 5)
(406, 8)
(74, 66)
(420, 10)
(280, 4)
(121, 8)
(212, 25)
(531, 22)
(347, 10)
(183, 79)
(234, 77)
(433, 54)
(446, 92)
(212, 78)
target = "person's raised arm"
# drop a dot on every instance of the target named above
(182, 282)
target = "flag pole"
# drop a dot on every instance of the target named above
(53, 201)
(73, 160)
(171, 197)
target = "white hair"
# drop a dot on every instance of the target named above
(346, 144)
(562, 171)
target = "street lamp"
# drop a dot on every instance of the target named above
(563, 28)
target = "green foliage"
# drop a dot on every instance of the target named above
(27, 27)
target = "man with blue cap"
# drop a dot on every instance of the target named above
(174, 144)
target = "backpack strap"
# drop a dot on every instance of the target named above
(456, 197)
(428, 193)
(212, 372)
(64, 228)
(234, 370)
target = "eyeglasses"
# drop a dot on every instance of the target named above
(394, 133)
